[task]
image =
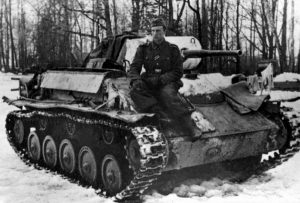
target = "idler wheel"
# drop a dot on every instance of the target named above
(134, 155)
(34, 146)
(19, 131)
(111, 174)
(87, 165)
(49, 151)
(67, 157)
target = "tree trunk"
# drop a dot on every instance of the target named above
(238, 44)
(135, 18)
(291, 40)
(107, 18)
(272, 51)
(13, 50)
(251, 33)
(221, 24)
(115, 17)
(22, 40)
(227, 27)
(221, 31)
(7, 38)
(170, 15)
(67, 43)
(2, 59)
(283, 38)
(212, 26)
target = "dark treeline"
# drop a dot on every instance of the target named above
(62, 32)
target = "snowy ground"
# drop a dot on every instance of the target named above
(287, 77)
(22, 183)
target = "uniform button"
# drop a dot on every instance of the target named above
(156, 63)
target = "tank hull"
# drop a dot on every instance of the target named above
(235, 138)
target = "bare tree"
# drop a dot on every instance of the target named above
(281, 47)
(291, 39)
(135, 18)
(115, 17)
(238, 43)
(204, 29)
(22, 46)
(2, 57)
(7, 36)
(198, 17)
(107, 18)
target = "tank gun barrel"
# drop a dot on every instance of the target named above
(207, 53)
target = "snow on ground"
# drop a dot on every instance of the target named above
(277, 185)
(22, 183)
(284, 95)
(295, 105)
(287, 77)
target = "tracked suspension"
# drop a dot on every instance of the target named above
(293, 141)
(151, 144)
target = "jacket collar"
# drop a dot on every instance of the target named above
(158, 46)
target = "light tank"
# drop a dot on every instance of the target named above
(81, 122)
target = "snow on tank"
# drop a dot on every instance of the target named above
(205, 84)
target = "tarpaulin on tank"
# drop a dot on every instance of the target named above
(242, 99)
(109, 48)
(89, 82)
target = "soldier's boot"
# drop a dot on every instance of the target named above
(190, 128)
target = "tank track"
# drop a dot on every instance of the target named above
(152, 146)
(291, 118)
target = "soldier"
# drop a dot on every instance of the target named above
(158, 86)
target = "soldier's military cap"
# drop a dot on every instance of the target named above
(158, 22)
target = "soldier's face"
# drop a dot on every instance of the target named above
(158, 33)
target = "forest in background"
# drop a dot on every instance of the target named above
(61, 32)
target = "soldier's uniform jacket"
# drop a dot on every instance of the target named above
(163, 60)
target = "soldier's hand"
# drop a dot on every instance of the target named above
(137, 84)
(153, 81)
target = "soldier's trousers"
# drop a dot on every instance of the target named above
(165, 96)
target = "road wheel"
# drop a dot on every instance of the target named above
(67, 157)
(87, 165)
(111, 174)
(34, 146)
(49, 151)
